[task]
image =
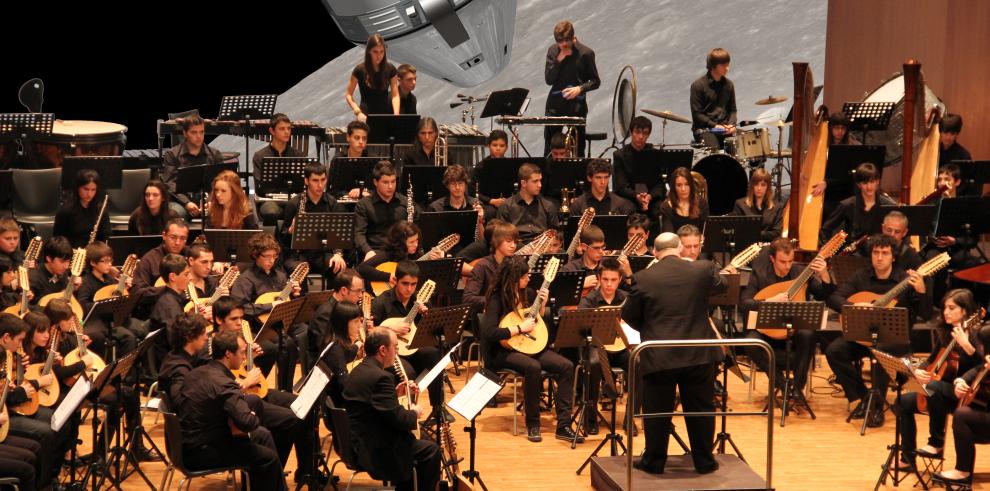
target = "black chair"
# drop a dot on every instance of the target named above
(173, 447)
(342, 444)
(36, 198)
(13, 482)
(125, 200)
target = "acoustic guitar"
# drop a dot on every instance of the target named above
(424, 295)
(76, 355)
(16, 373)
(946, 364)
(536, 340)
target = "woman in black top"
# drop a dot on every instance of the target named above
(760, 201)
(229, 207)
(683, 205)
(76, 218)
(150, 216)
(958, 305)
(377, 80)
(401, 243)
(346, 322)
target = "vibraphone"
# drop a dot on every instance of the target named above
(302, 130)
(465, 144)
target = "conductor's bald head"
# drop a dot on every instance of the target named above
(666, 244)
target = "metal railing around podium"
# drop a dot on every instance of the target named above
(698, 343)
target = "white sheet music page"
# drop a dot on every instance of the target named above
(473, 397)
(71, 402)
(434, 372)
(310, 393)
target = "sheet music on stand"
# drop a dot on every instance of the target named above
(284, 315)
(311, 391)
(283, 175)
(566, 288)
(427, 378)
(894, 365)
(480, 389)
(323, 232)
(72, 400)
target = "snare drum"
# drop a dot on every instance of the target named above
(750, 145)
(75, 138)
(727, 181)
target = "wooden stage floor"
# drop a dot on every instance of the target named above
(826, 454)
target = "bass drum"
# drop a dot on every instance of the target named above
(727, 181)
(893, 137)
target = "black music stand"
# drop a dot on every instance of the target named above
(230, 246)
(280, 319)
(841, 165)
(869, 116)
(348, 173)
(110, 170)
(445, 272)
(974, 174)
(614, 227)
(427, 181)
(195, 180)
(541, 262)
(283, 175)
(118, 311)
(964, 216)
(392, 129)
(18, 126)
(731, 234)
(438, 224)
(435, 328)
(726, 302)
(489, 385)
(125, 245)
(659, 165)
(498, 178)
(566, 288)
(100, 386)
(139, 433)
(893, 366)
(790, 316)
(639, 263)
(313, 302)
(244, 108)
(585, 329)
(568, 174)
(874, 325)
(323, 232)
(921, 218)
(508, 102)
(845, 267)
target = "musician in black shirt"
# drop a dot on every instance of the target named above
(189, 350)
(150, 217)
(200, 274)
(456, 180)
(76, 219)
(192, 151)
(598, 196)
(713, 101)
(174, 239)
(407, 84)
(637, 153)
(280, 129)
(171, 301)
(895, 224)
(212, 405)
(346, 286)
(346, 335)
(882, 277)
(101, 273)
(357, 147)
(970, 423)
(424, 148)
(760, 201)
(376, 213)
(377, 80)
(52, 276)
(504, 239)
(402, 243)
(684, 205)
(571, 73)
(498, 143)
(858, 215)
(949, 148)
(318, 200)
(639, 224)
(531, 213)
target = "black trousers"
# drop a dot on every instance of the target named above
(125, 402)
(942, 402)
(426, 454)
(422, 361)
(530, 366)
(286, 360)
(969, 427)
(19, 458)
(841, 354)
(257, 453)
(38, 427)
(802, 351)
(697, 387)
(124, 339)
(287, 430)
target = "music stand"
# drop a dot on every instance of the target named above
(392, 129)
(125, 245)
(118, 310)
(639, 263)
(282, 175)
(283, 315)
(790, 316)
(659, 163)
(192, 180)
(964, 216)
(845, 267)
(427, 181)
(566, 288)
(614, 227)
(584, 329)
(508, 102)
(15, 126)
(921, 218)
(869, 116)
(893, 366)
(566, 174)
(469, 402)
(541, 262)
(244, 108)
(974, 174)
(348, 173)
(730, 297)
(110, 170)
(230, 246)
(313, 301)
(438, 224)
(99, 388)
(445, 272)
(841, 165)
(139, 433)
(323, 232)
(731, 234)
(498, 178)
(872, 326)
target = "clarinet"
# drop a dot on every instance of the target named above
(410, 207)
(99, 218)
(479, 229)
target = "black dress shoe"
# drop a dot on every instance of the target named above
(922, 453)
(533, 434)
(708, 470)
(647, 468)
(567, 434)
(143, 454)
(938, 477)
(859, 412)
(591, 424)
(875, 419)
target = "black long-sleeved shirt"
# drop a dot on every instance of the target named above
(491, 333)
(481, 279)
(443, 204)
(43, 282)
(407, 103)
(87, 290)
(167, 309)
(954, 152)
(373, 217)
(337, 358)
(317, 260)
(576, 70)
(625, 161)
(172, 375)
(670, 221)
(76, 223)
(387, 306)
(764, 275)
(178, 157)
(253, 283)
(595, 299)
(210, 398)
(610, 204)
(851, 216)
(531, 219)
(149, 270)
(367, 269)
(772, 219)
(712, 102)
(866, 280)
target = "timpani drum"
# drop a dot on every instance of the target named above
(77, 138)
(727, 181)
(893, 91)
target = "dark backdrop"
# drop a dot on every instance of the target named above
(134, 62)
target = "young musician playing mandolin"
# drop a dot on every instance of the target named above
(101, 273)
(593, 243)
(509, 293)
(401, 243)
(505, 239)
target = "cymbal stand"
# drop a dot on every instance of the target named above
(777, 174)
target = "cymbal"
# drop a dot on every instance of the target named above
(667, 115)
(770, 100)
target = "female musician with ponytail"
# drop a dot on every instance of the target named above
(76, 220)
(377, 80)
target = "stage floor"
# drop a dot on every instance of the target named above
(826, 454)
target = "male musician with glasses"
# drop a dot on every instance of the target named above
(590, 262)
(192, 151)
(713, 101)
(571, 72)
(347, 286)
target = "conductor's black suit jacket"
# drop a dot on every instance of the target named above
(669, 300)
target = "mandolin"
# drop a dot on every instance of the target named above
(445, 244)
(535, 341)
(424, 295)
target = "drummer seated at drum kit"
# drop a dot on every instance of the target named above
(192, 151)
(713, 101)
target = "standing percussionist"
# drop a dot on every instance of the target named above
(570, 72)
(669, 301)
(713, 101)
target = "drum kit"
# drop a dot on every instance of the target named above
(725, 170)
